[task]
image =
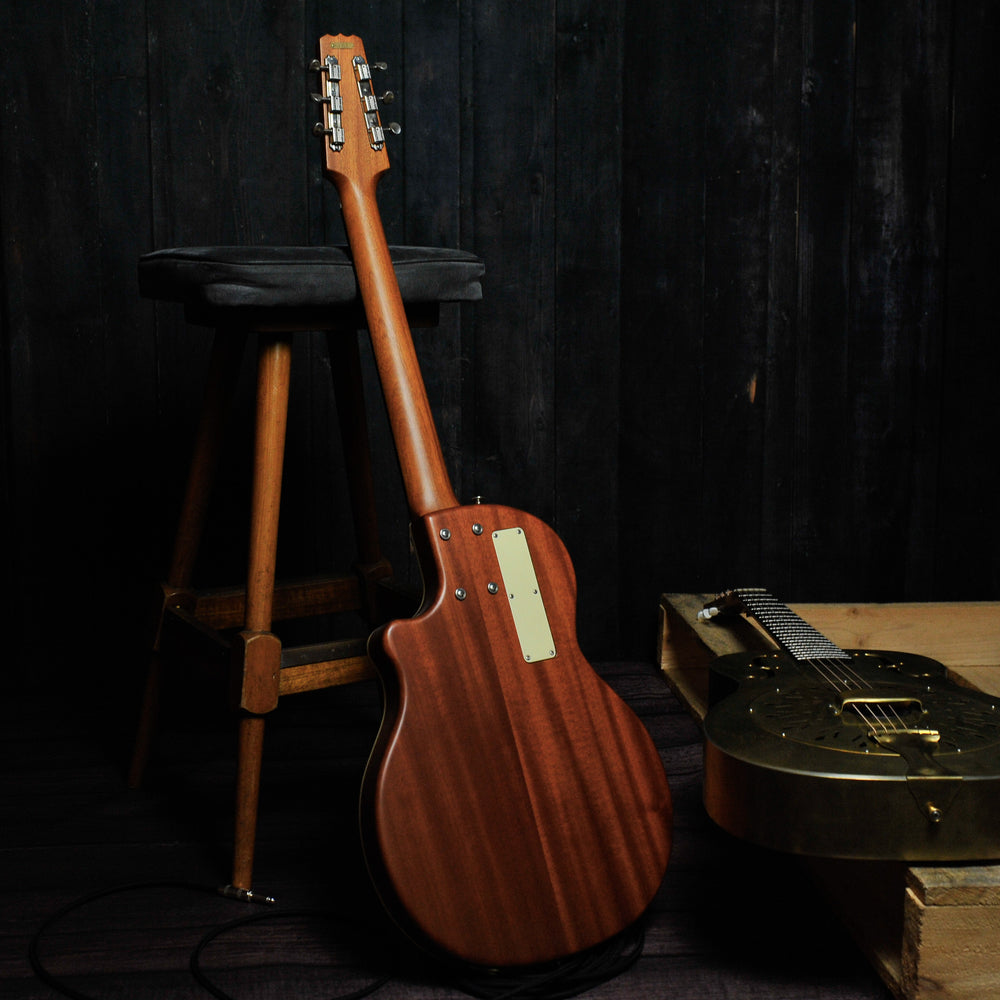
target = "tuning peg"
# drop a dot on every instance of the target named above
(394, 127)
(335, 101)
(388, 97)
(315, 66)
(383, 66)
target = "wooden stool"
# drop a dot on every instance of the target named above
(275, 292)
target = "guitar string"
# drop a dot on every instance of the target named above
(881, 716)
(838, 673)
(791, 631)
(799, 639)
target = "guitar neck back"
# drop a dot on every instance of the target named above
(354, 163)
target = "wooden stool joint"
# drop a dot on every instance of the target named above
(256, 669)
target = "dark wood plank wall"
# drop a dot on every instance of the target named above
(965, 544)
(738, 323)
(806, 318)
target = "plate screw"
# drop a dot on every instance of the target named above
(461, 594)
(445, 534)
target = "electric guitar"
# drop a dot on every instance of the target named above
(514, 810)
(819, 750)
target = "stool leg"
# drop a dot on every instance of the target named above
(227, 353)
(250, 752)
(345, 364)
(224, 370)
(273, 374)
(258, 653)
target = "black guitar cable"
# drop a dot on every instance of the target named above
(40, 970)
(34, 945)
(254, 918)
(566, 978)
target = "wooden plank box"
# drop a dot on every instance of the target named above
(930, 932)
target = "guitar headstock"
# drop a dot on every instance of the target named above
(352, 130)
(728, 602)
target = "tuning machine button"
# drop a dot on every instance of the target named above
(388, 97)
(335, 101)
(335, 133)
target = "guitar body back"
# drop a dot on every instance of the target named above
(514, 809)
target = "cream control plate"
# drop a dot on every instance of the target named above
(521, 587)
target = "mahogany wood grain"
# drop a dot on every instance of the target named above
(274, 369)
(250, 754)
(257, 670)
(512, 812)
(328, 673)
(225, 607)
(424, 473)
(356, 171)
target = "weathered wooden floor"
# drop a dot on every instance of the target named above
(729, 921)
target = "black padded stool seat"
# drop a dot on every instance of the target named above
(268, 295)
(300, 281)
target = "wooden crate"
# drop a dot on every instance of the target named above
(931, 932)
